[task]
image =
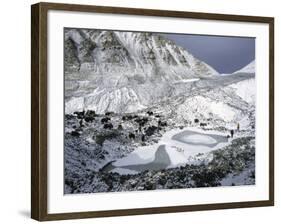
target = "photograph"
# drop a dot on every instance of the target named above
(152, 111)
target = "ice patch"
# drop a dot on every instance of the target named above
(179, 153)
(123, 171)
(187, 80)
(176, 155)
(205, 139)
(142, 155)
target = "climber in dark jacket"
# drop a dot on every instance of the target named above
(231, 133)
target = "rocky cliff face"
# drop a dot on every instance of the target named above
(124, 71)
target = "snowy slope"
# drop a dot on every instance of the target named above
(133, 53)
(250, 68)
(124, 71)
(246, 89)
(222, 102)
(206, 107)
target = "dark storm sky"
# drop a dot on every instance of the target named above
(225, 54)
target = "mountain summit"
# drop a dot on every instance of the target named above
(249, 68)
(131, 54)
(124, 71)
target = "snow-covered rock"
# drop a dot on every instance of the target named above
(130, 69)
(206, 107)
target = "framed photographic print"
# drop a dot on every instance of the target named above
(139, 111)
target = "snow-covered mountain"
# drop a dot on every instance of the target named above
(125, 71)
(145, 55)
(250, 68)
(180, 113)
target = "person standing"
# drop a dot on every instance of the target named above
(81, 123)
(231, 133)
(238, 127)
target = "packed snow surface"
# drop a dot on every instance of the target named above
(246, 89)
(174, 150)
(198, 138)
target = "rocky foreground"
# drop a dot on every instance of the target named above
(92, 141)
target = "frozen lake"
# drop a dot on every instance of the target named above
(176, 147)
(200, 139)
